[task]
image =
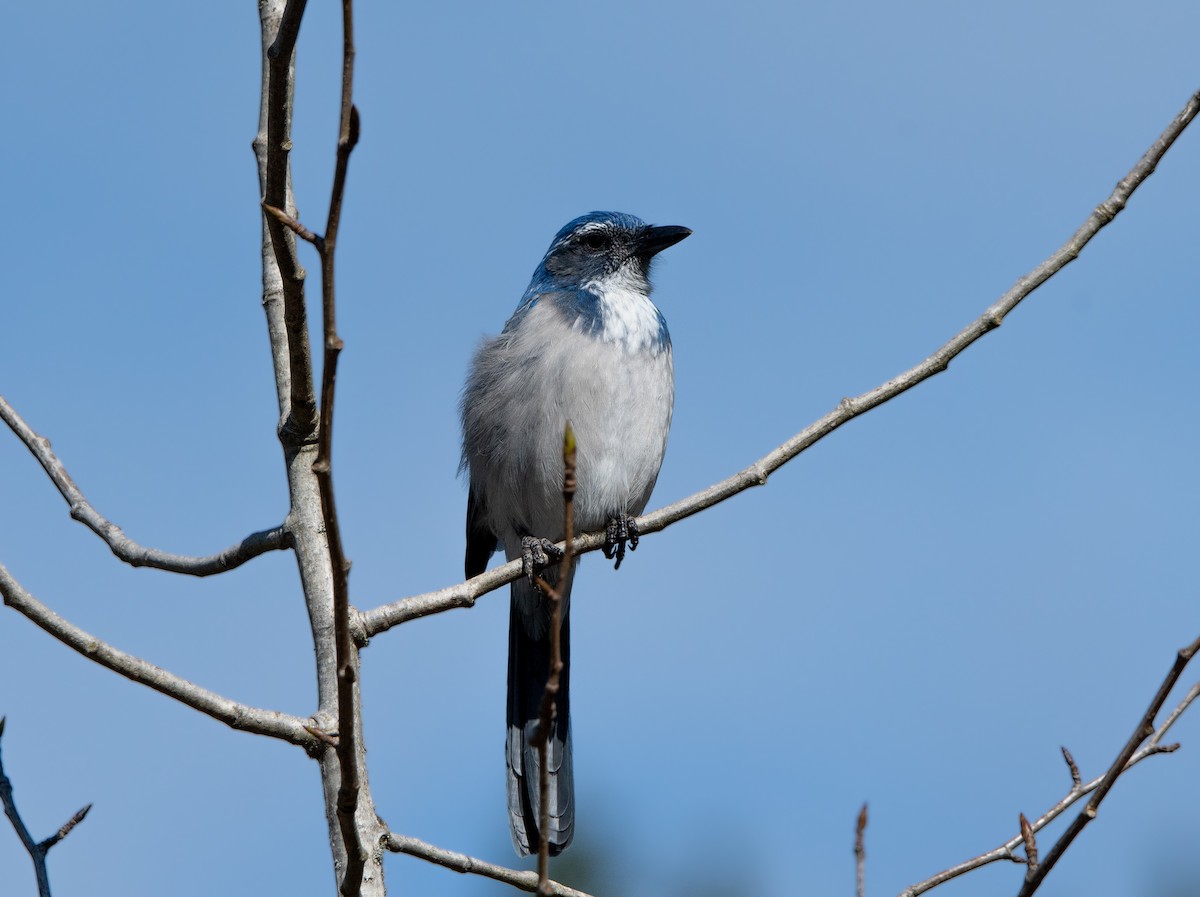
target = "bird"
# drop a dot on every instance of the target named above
(587, 346)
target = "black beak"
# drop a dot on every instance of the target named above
(654, 240)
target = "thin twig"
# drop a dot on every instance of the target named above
(549, 709)
(79, 816)
(860, 852)
(1143, 731)
(1192, 694)
(469, 865)
(293, 225)
(373, 622)
(271, 723)
(1006, 851)
(37, 850)
(322, 736)
(121, 545)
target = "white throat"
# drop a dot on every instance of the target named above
(629, 318)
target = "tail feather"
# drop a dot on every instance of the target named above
(528, 670)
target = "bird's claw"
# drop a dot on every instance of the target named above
(536, 555)
(622, 530)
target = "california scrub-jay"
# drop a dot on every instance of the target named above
(585, 345)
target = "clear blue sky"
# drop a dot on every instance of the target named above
(917, 612)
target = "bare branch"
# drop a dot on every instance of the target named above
(461, 862)
(1006, 851)
(311, 512)
(37, 851)
(300, 412)
(1144, 730)
(271, 723)
(379, 619)
(122, 546)
(348, 753)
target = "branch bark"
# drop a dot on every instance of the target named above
(122, 546)
(461, 862)
(293, 367)
(380, 619)
(351, 756)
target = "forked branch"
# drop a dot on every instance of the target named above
(355, 829)
(1144, 730)
(326, 245)
(1137, 749)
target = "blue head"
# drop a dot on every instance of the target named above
(602, 247)
(597, 272)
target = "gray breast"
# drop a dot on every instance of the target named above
(524, 386)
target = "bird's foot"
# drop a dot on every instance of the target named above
(622, 530)
(536, 555)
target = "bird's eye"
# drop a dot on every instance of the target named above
(596, 241)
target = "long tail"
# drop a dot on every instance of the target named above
(528, 670)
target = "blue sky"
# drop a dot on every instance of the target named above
(917, 612)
